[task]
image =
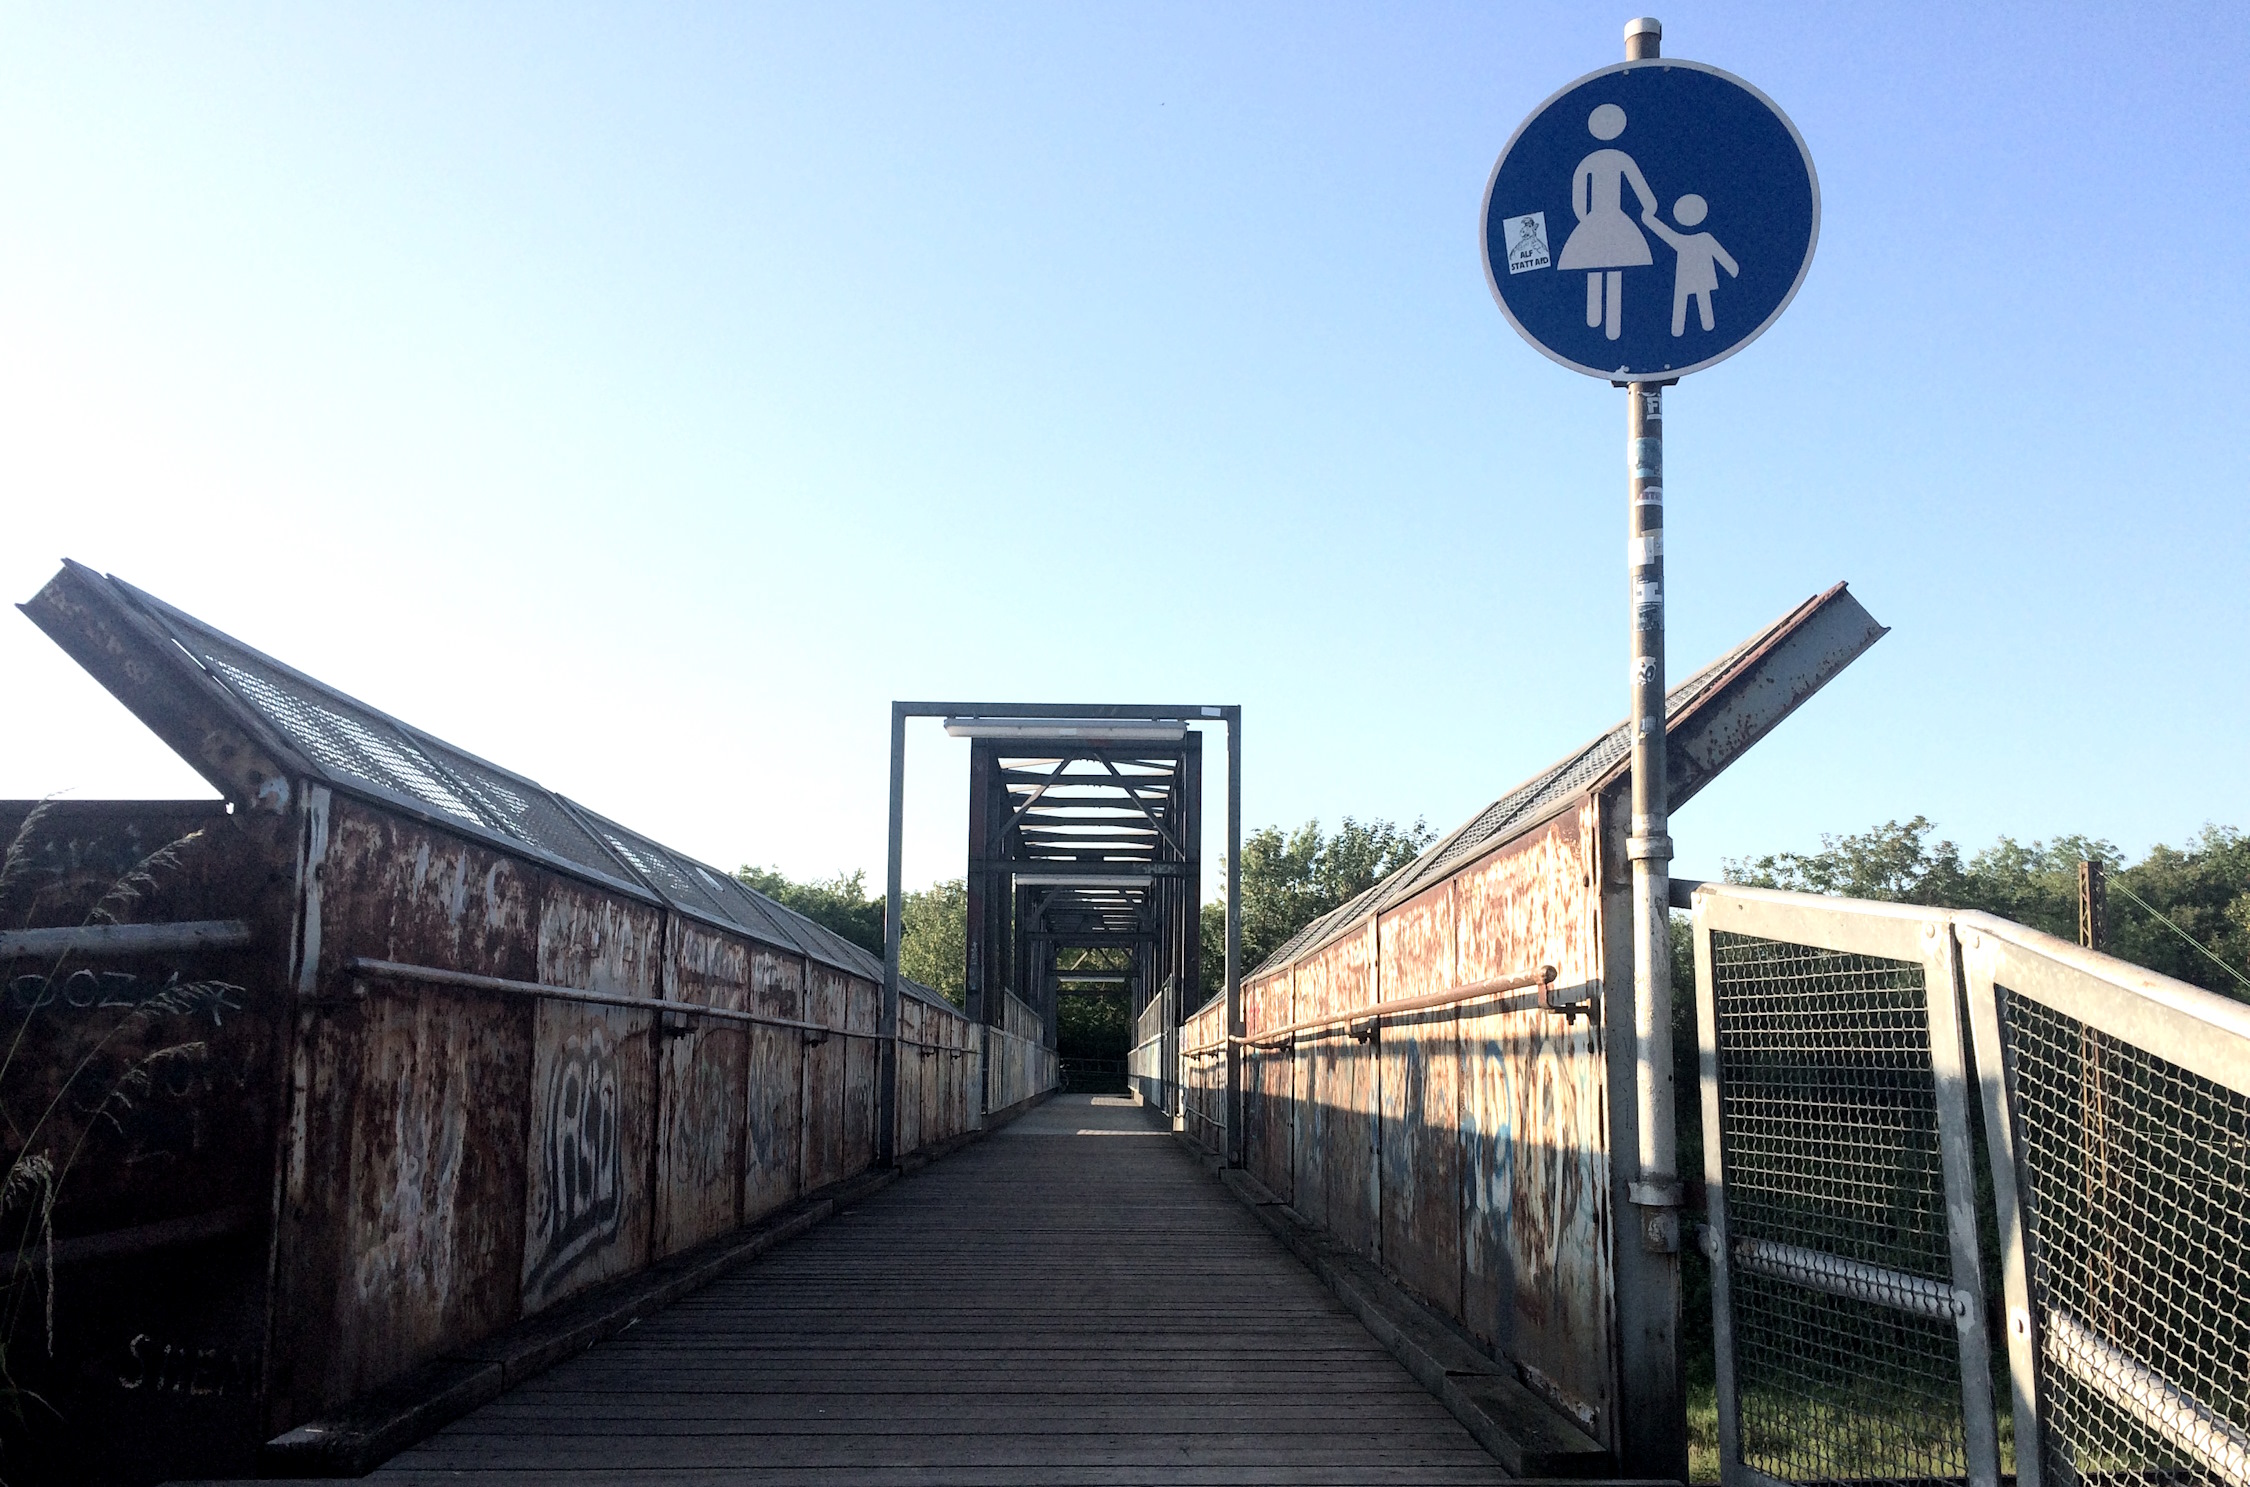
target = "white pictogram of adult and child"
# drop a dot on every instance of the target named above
(1606, 242)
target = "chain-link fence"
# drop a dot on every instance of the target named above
(1846, 1212)
(1852, 1341)
(2120, 1103)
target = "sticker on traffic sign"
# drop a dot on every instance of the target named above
(1649, 220)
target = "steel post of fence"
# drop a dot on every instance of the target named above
(886, 1076)
(1233, 1109)
(1715, 1195)
(1949, 1068)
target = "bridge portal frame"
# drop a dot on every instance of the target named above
(1227, 714)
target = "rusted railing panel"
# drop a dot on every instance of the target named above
(1202, 1074)
(1421, 1162)
(402, 1212)
(1020, 1065)
(916, 1095)
(1344, 1101)
(863, 1011)
(593, 1096)
(1349, 1091)
(705, 1072)
(1268, 1081)
(773, 1149)
(825, 997)
(1536, 1281)
(178, 1180)
(1313, 1057)
(938, 1072)
(407, 952)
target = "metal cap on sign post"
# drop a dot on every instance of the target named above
(1648, 221)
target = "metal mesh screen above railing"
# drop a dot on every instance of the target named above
(2137, 1189)
(358, 747)
(1844, 1315)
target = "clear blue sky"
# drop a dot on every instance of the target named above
(644, 396)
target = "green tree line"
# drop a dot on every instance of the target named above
(2184, 911)
(934, 934)
(1289, 879)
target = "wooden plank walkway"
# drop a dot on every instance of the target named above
(1072, 1301)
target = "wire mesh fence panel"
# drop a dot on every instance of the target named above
(1835, 1205)
(2135, 1177)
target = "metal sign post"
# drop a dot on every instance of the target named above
(1648, 221)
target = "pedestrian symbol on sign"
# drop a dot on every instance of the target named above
(1649, 220)
(1527, 242)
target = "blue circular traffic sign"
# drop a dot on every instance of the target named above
(1649, 220)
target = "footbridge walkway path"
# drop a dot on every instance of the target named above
(1072, 1300)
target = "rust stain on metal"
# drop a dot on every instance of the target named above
(412, 1175)
(1421, 1185)
(825, 993)
(592, 1087)
(701, 1086)
(1537, 1282)
(1463, 1146)
(773, 1151)
(451, 1156)
(863, 1008)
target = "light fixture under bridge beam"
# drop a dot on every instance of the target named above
(1085, 730)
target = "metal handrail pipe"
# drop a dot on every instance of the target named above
(124, 939)
(437, 976)
(2148, 1397)
(1376, 1011)
(1855, 1280)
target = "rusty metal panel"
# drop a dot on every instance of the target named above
(941, 1119)
(1343, 1102)
(405, 1191)
(586, 1210)
(863, 1013)
(1537, 1283)
(1315, 1057)
(1021, 1065)
(1203, 1073)
(825, 993)
(1355, 1197)
(937, 1073)
(773, 1145)
(147, 1375)
(1268, 1074)
(702, 1072)
(1421, 1114)
(914, 1076)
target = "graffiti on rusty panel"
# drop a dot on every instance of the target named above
(412, 1236)
(1535, 1270)
(160, 1367)
(580, 1158)
(85, 990)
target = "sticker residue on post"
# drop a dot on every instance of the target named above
(1527, 242)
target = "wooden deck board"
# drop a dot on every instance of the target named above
(1041, 1307)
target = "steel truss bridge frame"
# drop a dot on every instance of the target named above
(1085, 832)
